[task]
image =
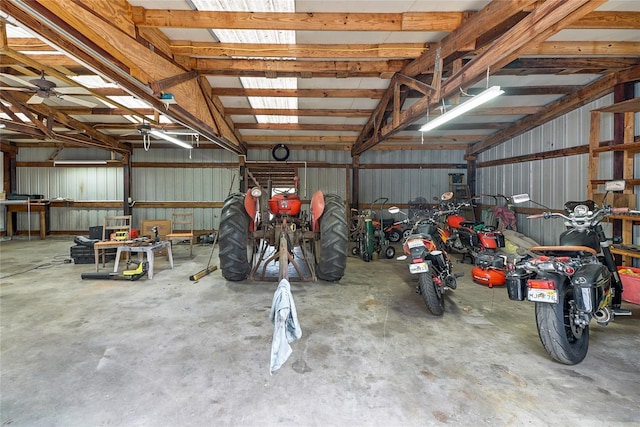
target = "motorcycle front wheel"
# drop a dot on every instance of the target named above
(565, 341)
(431, 295)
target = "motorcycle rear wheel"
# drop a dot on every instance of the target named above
(394, 236)
(431, 295)
(565, 342)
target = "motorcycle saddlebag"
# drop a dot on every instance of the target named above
(469, 239)
(517, 283)
(590, 283)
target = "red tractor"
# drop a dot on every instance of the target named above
(250, 239)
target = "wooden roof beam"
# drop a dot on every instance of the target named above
(118, 47)
(285, 68)
(384, 50)
(465, 35)
(301, 21)
(548, 18)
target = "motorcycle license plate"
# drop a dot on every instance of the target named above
(418, 268)
(415, 243)
(543, 295)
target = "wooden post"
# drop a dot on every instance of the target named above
(355, 182)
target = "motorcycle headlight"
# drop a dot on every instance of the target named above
(581, 210)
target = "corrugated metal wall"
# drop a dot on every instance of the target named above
(401, 185)
(550, 182)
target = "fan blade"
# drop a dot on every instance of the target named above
(18, 80)
(20, 89)
(72, 90)
(78, 101)
(35, 99)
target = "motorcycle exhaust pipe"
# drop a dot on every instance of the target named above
(603, 316)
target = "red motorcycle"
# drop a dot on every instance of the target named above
(469, 238)
(480, 242)
(425, 245)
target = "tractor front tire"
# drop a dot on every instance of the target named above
(234, 239)
(334, 240)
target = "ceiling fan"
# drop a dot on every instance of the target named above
(43, 89)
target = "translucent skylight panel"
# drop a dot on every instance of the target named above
(259, 36)
(93, 82)
(130, 101)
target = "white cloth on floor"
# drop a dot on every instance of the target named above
(286, 328)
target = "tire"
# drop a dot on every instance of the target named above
(234, 239)
(394, 236)
(431, 296)
(406, 233)
(389, 252)
(555, 330)
(331, 254)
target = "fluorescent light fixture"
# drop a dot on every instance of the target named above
(170, 138)
(459, 110)
(79, 162)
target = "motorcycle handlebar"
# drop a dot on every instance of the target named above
(598, 213)
(620, 210)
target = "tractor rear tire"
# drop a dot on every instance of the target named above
(234, 239)
(334, 240)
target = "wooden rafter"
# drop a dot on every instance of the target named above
(549, 17)
(143, 64)
(351, 51)
(409, 21)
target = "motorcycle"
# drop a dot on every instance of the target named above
(425, 246)
(569, 283)
(398, 230)
(471, 239)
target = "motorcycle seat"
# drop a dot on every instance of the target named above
(570, 251)
(469, 224)
(419, 236)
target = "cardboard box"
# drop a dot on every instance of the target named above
(164, 228)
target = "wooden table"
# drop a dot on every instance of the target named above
(29, 206)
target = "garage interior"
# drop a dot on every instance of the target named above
(153, 112)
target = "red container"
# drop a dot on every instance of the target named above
(488, 276)
(631, 284)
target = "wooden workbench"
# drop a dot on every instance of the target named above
(39, 206)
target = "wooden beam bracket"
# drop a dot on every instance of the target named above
(161, 85)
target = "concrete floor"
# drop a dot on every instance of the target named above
(172, 352)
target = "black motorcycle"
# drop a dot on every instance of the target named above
(573, 282)
(428, 258)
